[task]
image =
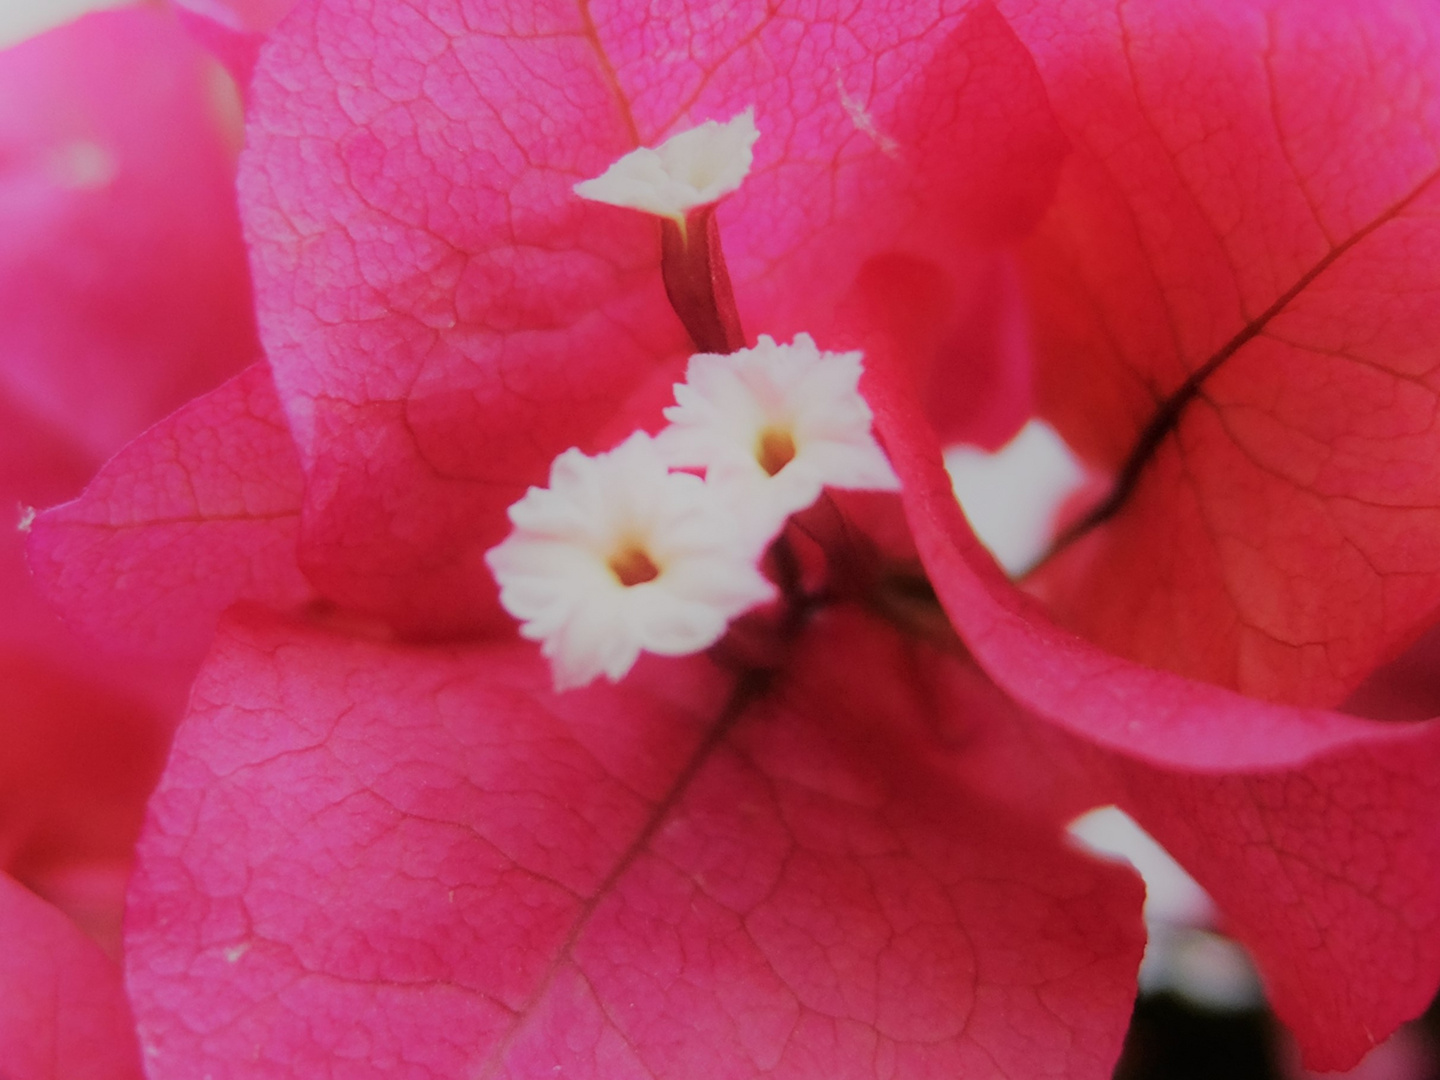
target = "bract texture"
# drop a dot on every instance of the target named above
(345, 824)
(1213, 225)
(199, 513)
(123, 291)
(84, 733)
(123, 283)
(38, 466)
(1323, 833)
(63, 1014)
(444, 315)
(84, 746)
(1325, 872)
(458, 874)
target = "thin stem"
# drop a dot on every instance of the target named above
(697, 282)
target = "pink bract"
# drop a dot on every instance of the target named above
(233, 29)
(63, 1014)
(123, 285)
(1211, 217)
(1312, 829)
(123, 292)
(403, 856)
(459, 873)
(202, 512)
(501, 319)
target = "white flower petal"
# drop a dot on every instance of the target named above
(806, 402)
(557, 573)
(694, 168)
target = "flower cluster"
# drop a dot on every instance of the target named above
(621, 554)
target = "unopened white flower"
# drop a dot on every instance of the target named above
(775, 424)
(693, 168)
(620, 555)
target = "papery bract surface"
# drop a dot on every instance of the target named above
(123, 291)
(123, 285)
(202, 511)
(459, 874)
(63, 1014)
(1316, 830)
(84, 733)
(1215, 222)
(444, 315)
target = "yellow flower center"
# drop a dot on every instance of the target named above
(631, 565)
(775, 449)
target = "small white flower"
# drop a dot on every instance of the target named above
(693, 168)
(620, 555)
(775, 424)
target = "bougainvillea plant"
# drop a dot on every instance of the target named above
(830, 844)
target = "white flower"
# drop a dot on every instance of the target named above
(620, 555)
(773, 425)
(693, 168)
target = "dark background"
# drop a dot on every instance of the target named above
(1173, 1039)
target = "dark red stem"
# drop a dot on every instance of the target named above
(697, 283)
